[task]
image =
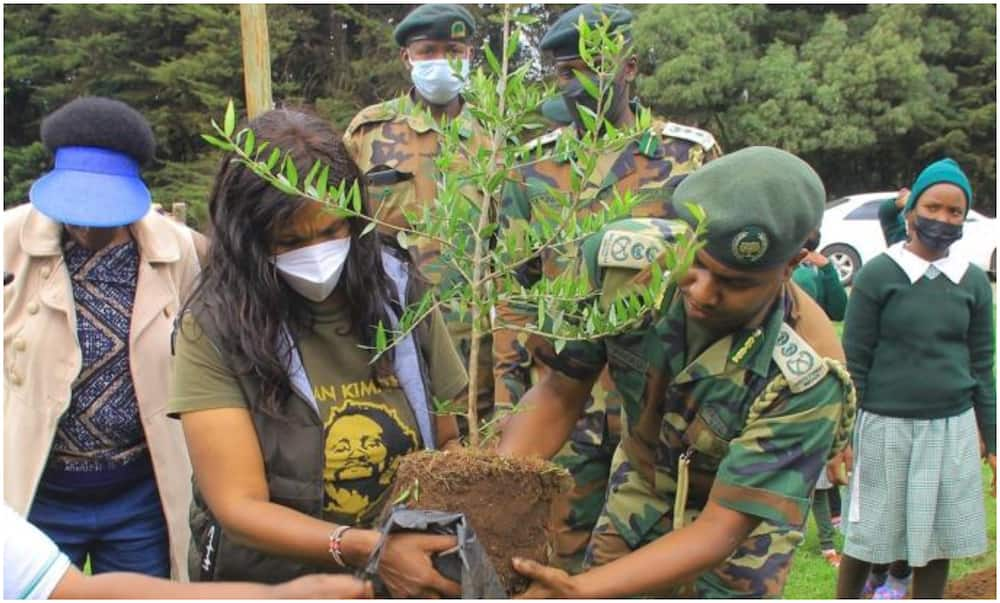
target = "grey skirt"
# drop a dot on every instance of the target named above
(916, 492)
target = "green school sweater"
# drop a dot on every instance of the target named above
(925, 350)
(823, 285)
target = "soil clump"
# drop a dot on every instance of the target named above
(507, 501)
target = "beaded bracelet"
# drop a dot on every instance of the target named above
(336, 538)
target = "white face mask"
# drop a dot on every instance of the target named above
(435, 81)
(313, 271)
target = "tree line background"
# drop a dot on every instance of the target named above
(867, 94)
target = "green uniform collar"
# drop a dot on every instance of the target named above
(420, 119)
(747, 349)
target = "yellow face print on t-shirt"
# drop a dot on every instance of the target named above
(364, 442)
(358, 450)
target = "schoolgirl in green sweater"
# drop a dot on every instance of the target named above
(920, 348)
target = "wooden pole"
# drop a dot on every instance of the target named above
(256, 58)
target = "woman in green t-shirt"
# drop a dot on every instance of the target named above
(293, 432)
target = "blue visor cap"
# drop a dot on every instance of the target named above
(92, 186)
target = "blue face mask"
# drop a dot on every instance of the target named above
(435, 81)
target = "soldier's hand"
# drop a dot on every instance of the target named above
(546, 582)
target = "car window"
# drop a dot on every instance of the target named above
(868, 211)
(836, 202)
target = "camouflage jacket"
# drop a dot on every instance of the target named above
(755, 443)
(653, 166)
(395, 144)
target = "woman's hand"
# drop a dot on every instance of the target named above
(406, 566)
(816, 259)
(546, 582)
(840, 467)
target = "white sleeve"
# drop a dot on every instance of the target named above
(32, 564)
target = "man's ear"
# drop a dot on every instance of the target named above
(404, 56)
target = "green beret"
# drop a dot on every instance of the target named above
(563, 38)
(761, 204)
(436, 22)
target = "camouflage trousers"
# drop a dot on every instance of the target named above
(758, 568)
(586, 455)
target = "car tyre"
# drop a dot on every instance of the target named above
(845, 259)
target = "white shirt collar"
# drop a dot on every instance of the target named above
(914, 266)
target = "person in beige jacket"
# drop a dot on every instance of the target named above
(89, 454)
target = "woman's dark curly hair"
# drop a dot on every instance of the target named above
(241, 291)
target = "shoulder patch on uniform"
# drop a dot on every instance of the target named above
(544, 139)
(798, 362)
(702, 137)
(625, 249)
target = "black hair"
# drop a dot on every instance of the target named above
(100, 122)
(240, 288)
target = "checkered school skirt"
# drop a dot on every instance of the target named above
(916, 492)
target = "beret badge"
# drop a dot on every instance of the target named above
(750, 244)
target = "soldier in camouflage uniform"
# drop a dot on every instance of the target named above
(649, 166)
(395, 144)
(733, 394)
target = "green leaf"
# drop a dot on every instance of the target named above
(324, 176)
(512, 45)
(229, 123)
(311, 176)
(491, 59)
(588, 84)
(525, 19)
(272, 160)
(696, 210)
(355, 194)
(583, 48)
(368, 228)
(291, 172)
(588, 117)
(215, 142)
(380, 338)
(249, 142)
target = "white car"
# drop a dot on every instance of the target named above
(851, 235)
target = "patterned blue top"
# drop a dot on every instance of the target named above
(100, 440)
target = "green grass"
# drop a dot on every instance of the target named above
(812, 578)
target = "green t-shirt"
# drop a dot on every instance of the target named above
(369, 426)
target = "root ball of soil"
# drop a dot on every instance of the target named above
(507, 501)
